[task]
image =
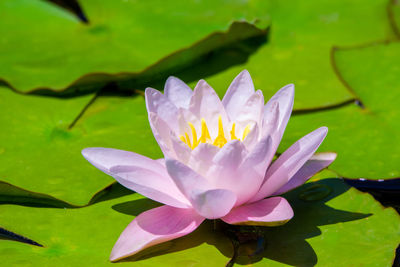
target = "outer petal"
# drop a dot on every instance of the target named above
(106, 158)
(237, 94)
(141, 174)
(158, 103)
(284, 97)
(280, 172)
(178, 92)
(153, 227)
(207, 201)
(206, 104)
(162, 134)
(316, 163)
(150, 184)
(272, 211)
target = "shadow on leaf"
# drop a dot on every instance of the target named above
(245, 244)
(14, 195)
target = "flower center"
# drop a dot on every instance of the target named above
(205, 137)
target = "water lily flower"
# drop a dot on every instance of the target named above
(218, 161)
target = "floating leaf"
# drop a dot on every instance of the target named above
(299, 48)
(46, 47)
(394, 16)
(365, 138)
(339, 227)
(41, 153)
(344, 226)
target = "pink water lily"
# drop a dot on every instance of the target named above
(218, 161)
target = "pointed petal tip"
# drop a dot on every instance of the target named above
(114, 257)
(88, 152)
(323, 129)
(326, 156)
(244, 72)
(149, 90)
(174, 81)
(172, 78)
(289, 88)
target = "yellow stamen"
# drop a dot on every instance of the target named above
(194, 134)
(205, 135)
(233, 136)
(246, 132)
(188, 141)
(220, 140)
(183, 139)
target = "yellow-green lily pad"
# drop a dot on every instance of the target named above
(343, 226)
(365, 136)
(41, 152)
(299, 49)
(46, 47)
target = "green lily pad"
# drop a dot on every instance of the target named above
(46, 47)
(88, 235)
(41, 153)
(394, 16)
(365, 138)
(343, 226)
(300, 45)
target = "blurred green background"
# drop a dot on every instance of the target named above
(73, 73)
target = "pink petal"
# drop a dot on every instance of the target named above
(178, 92)
(207, 201)
(260, 156)
(252, 138)
(201, 158)
(315, 164)
(241, 172)
(138, 173)
(284, 97)
(159, 104)
(185, 178)
(223, 170)
(237, 94)
(280, 172)
(251, 172)
(272, 211)
(271, 123)
(162, 134)
(106, 158)
(251, 112)
(150, 184)
(230, 155)
(213, 204)
(170, 145)
(153, 227)
(206, 104)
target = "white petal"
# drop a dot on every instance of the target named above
(206, 104)
(284, 97)
(159, 104)
(237, 94)
(178, 92)
(280, 172)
